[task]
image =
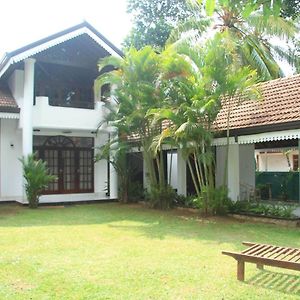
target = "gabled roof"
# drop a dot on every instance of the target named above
(7, 102)
(278, 109)
(55, 39)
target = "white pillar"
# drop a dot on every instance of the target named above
(234, 172)
(146, 180)
(28, 105)
(220, 165)
(181, 174)
(113, 178)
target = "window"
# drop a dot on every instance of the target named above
(295, 162)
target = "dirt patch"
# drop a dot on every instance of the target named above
(9, 209)
(51, 206)
(20, 286)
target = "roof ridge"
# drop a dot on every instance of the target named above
(289, 77)
(8, 55)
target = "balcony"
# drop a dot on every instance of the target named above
(46, 116)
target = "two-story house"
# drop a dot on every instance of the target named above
(48, 106)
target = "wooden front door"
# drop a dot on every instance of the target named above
(72, 165)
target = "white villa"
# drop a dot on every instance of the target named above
(47, 105)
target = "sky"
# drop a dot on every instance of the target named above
(25, 21)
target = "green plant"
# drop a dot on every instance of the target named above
(162, 197)
(214, 202)
(262, 209)
(180, 200)
(37, 177)
(135, 191)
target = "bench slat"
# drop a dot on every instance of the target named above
(256, 249)
(269, 251)
(278, 254)
(275, 252)
(292, 250)
(251, 248)
(259, 253)
(295, 255)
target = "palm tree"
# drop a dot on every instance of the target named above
(250, 31)
(141, 82)
(215, 79)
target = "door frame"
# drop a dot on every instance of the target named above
(60, 166)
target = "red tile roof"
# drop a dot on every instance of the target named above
(7, 102)
(280, 104)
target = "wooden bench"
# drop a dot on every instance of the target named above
(264, 254)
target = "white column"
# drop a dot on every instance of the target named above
(26, 110)
(146, 180)
(113, 177)
(181, 174)
(220, 165)
(234, 172)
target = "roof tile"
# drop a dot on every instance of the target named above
(280, 103)
(7, 101)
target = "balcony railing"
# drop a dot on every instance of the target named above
(67, 117)
(73, 103)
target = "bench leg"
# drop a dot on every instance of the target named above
(240, 270)
(260, 266)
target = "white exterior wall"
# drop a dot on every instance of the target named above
(274, 162)
(50, 120)
(55, 117)
(11, 178)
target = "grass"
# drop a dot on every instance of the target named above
(112, 251)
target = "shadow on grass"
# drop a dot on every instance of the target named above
(280, 282)
(148, 222)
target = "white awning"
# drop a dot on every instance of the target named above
(260, 137)
(4, 115)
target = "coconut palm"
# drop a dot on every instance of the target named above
(251, 31)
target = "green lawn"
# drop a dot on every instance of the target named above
(112, 251)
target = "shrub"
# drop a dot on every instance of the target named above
(135, 191)
(262, 209)
(214, 201)
(217, 203)
(37, 178)
(161, 197)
